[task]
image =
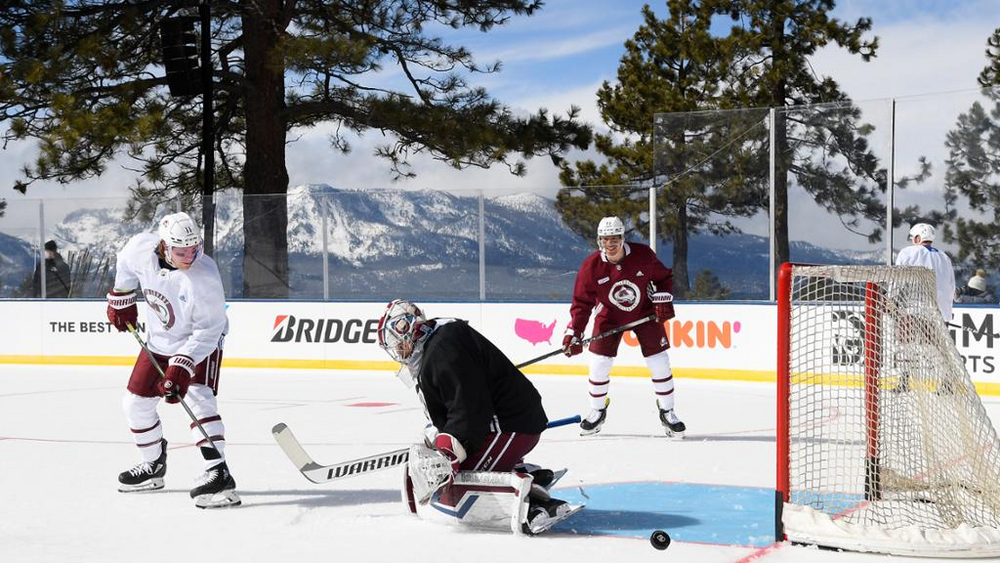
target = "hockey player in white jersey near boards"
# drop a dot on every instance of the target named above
(921, 253)
(186, 324)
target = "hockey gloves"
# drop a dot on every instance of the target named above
(663, 304)
(449, 446)
(176, 379)
(571, 343)
(122, 310)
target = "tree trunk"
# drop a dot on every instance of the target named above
(782, 250)
(265, 208)
(779, 90)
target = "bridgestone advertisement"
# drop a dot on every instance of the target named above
(708, 340)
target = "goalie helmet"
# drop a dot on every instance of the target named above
(401, 329)
(610, 227)
(177, 230)
(922, 230)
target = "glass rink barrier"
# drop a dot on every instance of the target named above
(728, 196)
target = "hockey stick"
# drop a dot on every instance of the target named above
(973, 331)
(187, 409)
(585, 341)
(318, 473)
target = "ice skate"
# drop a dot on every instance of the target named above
(145, 476)
(542, 477)
(544, 515)
(671, 424)
(216, 489)
(542, 480)
(595, 420)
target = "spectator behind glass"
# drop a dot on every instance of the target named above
(57, 281)
(975, 290)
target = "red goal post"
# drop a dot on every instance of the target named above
(883, 444)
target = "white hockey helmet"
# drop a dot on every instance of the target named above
(177, 230)
(922, 230)
(401, 328)
(610, 227)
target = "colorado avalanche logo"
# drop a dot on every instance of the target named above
(625, 295)
(162, 307)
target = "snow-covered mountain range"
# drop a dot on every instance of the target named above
(420, 244)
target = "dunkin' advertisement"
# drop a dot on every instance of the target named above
(710, 340)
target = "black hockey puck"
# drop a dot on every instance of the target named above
(660, 540)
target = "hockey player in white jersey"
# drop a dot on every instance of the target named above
(185, 324)
(923, 253)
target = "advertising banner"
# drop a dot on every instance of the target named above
(709, 340)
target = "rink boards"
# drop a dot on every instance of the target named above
(708, 340)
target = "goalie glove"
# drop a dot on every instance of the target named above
(663, 306)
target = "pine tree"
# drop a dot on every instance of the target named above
(81, 78)
(708, 287)
(671, 65)
(990, 77)
(824, 146)
(973, 171)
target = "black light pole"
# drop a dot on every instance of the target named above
(207, 128)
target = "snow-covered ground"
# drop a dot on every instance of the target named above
(63, 441)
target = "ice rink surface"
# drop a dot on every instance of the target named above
(63, 441)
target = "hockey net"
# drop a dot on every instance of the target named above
(883, 443)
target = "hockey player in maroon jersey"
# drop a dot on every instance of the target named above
(186, 324)
(623, 282)
(486, 415)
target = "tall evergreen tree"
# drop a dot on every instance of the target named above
(81, 77)
(973, 170)
(671, 65)
(823, 147)
(990, 77)
(707, 286)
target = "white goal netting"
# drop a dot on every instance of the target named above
(889, 446)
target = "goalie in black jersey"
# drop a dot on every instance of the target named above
(486, 415)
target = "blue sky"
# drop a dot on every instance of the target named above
(560, 56)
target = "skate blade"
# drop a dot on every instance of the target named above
(674, 435)
(591, 432)
(543, 524)
(224, 499)
(151, 485)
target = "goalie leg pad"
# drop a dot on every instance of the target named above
(484, 499)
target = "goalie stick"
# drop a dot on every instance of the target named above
(976, 333)
(318, 473)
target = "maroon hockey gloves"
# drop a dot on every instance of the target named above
(176, 379)
(663, 304)
(571, 343)
(122, 310)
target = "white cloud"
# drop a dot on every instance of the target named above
(556, 48)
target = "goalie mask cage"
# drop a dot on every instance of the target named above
(883, 444)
